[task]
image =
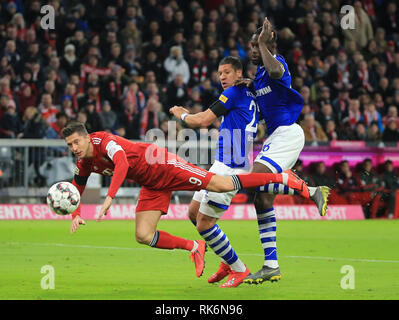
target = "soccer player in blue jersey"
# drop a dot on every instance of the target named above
(280, 106)
(238, 128)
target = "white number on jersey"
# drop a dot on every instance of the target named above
(252, 126)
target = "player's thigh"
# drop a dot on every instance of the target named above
(262, 200)
(282, 148)
(151, 205)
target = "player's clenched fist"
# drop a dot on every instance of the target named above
(76, 222)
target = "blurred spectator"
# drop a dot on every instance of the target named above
(176, 92)
(371, 187)
(342, 74)
(390, 181)
(360, 132)
(93, 117)
(34, 128)
(108, 118)
(370, 115)
(92, 97)
(199, 69)
(363, 32)
(313, 130)
(47, 109)
(373, 132)
(321, 177)
(391, 114)
(341, 104)
(10, 124)
(55, 129)
(176, 64)
(151, 118)
(324, 115)
(391, 133)
(26, 97)
(346, 181)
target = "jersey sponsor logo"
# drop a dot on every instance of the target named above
(77, 171)
(112, 147)
(263, 91)
(223, 98)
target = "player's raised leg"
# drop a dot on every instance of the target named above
(253, 180)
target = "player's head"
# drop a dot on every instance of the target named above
(256, 57)
(229, 70)
(77, 138)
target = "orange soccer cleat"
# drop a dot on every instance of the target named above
(198, 257)
(235, 278)
(223, 271)
(296, 183)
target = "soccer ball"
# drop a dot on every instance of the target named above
(63, 198)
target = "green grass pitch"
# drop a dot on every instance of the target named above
(103, 261)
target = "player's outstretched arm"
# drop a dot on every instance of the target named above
(200, 119)
(272, 65)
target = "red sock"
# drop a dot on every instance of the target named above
(168, 241)
(252, 180)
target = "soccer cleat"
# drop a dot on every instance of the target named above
(264, 274)
(235, 278)
(223, 271)
(296, 183)
(198, 257)
(320, 198)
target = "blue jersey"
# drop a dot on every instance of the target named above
(279, 104)
(238, 127)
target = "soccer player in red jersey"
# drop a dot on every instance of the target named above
(159, 172)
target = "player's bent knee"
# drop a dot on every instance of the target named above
(144, 237)
(263, 201)
(220, 184)
(205, 222)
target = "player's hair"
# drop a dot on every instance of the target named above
(234, 61)
(74, 127)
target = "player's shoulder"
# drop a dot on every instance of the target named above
(98, 137)
(229, 94)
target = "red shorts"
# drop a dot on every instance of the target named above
(171, 175)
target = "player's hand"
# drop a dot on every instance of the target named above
(104, 209)
(177, 111)
(243, 82)
(266, 34)
(76, 222)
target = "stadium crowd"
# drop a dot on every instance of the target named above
(120, 65)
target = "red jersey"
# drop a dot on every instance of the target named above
(149, 165)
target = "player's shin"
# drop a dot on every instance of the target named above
(164, 240)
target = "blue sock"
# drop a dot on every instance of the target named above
(276, 188)
(267, 232)
(220, 244)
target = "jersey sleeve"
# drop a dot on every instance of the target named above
(227, 97)
(115, 152)
(286, 78)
